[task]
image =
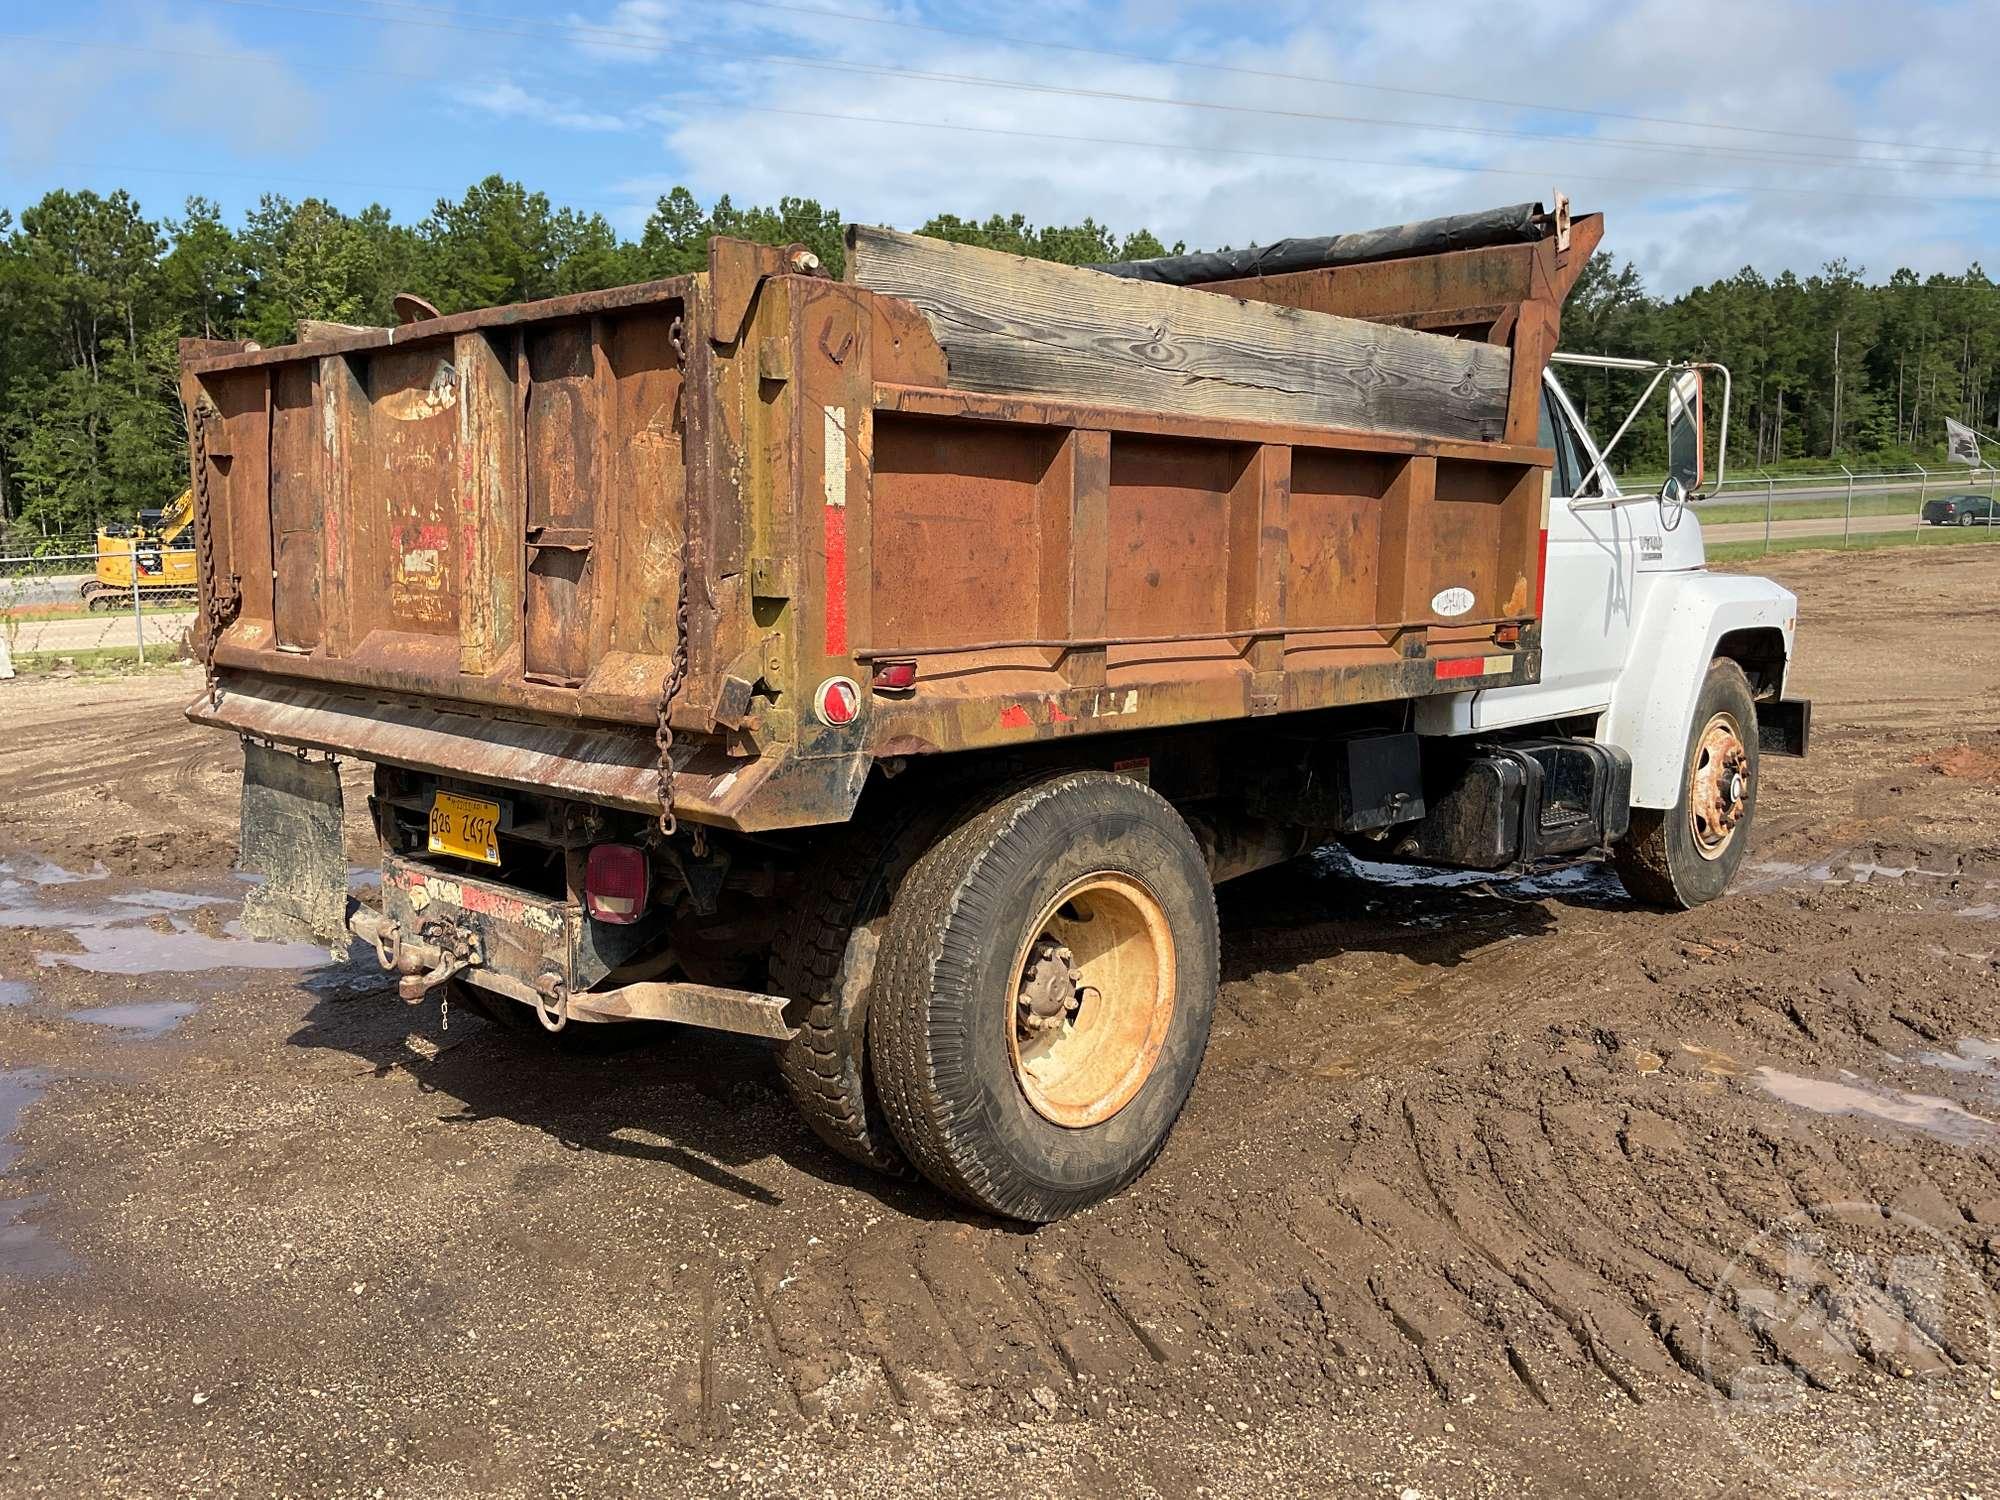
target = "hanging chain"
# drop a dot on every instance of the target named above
(663, 729)
(222, 597)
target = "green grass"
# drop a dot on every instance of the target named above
(1889, 503)
(95, 660)
(1866, 541)
(42, 613)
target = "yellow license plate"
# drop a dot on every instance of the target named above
(466, 826)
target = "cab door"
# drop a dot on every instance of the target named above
(1596, 542)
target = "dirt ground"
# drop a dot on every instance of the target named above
(1488, 1186)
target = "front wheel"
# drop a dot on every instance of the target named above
(1688, 854)
(1043, 996)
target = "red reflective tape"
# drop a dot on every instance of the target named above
(1463, 666)
(1013, 716)
(1541, 571)
(836, 579)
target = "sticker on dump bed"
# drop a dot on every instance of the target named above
(1450, 602)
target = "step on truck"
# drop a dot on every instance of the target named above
(889, 667)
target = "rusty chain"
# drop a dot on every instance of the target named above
(222, 597)
(663, 729)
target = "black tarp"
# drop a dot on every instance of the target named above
(1515, 224)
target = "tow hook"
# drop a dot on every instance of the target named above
(551, 1001)
(448, 949)
(422, 962)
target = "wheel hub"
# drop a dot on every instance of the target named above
(1719, 786)
(1051, 988)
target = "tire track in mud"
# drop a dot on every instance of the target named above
(1550, 1216)
(1410, 1169)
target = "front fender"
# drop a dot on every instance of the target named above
(1686, 615)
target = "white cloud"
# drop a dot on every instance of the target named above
(508, 100)
(192, 78)
(1842, 69)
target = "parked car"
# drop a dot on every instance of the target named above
(1959, 510)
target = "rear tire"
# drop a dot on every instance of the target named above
(1680, 858)
(1095, 880)
(827, 960)
(1966, 519)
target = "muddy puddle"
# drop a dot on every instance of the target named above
(1854, 1096)
(134, 932)
(1940, 874)
(1588, 877)
(145, 1019)
(25, 1252)
(181, 949)
(1977, 1057)
(15, 992)
(32, 870)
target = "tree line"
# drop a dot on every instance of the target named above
(1828, 368)
(94, 296)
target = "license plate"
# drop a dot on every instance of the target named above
(466, 826)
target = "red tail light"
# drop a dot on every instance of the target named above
(895, 676)
(617, 880)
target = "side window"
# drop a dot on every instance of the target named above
(1556, 433)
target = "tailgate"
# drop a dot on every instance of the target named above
(488, 507)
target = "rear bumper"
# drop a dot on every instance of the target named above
(434, 927)
(1784, 725)
(610, 764)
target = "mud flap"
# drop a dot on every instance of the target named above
(292, 815)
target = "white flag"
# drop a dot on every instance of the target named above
(1961, 443)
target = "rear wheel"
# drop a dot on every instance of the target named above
(1966, 519)
(1043, 995)
(826, 960)
(1688, 854)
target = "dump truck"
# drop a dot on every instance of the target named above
(151, 557)
(889, 667)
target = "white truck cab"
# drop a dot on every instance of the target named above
(1647, 651)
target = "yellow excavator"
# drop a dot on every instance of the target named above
(159, 548)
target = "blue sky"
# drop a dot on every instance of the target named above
(1774, 134)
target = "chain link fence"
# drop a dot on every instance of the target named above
(134, 605)
(1839, 506)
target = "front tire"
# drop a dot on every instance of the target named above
(1688, 854)
(1043, 995)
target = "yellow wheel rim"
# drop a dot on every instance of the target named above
(1718, 786)
(1093, 997)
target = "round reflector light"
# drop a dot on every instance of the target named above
(838, 700)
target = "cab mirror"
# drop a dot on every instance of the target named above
(1684, 434)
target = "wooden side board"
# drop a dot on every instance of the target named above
(1010, 325)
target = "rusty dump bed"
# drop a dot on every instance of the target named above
(459, 545)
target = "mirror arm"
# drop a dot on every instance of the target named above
(1660, 372)
(1603, 465)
